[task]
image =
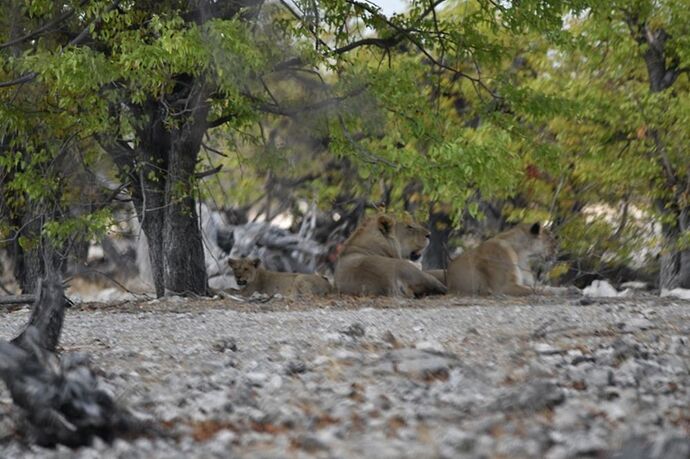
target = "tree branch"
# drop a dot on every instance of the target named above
(208, 173)
(44, 28)
(30, 76)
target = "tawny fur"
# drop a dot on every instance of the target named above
(252, 278)
(499, 265)
(371, 262)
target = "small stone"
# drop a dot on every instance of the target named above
(294, 367)
(635, 324)
(347, 355)
(310, 443)
(581, 359)
(421, 364)
(627, 374)
(287, 352)
(599, 377)
(355, 330)
(678, 345)
(257, 379)
(533, 396)
(225, 344)
(547, 349)
(457, 442)
(333, 338)
(390, 338)
(430, 346)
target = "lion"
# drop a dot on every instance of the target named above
(252, 278)
(500, 265)
(371, 261)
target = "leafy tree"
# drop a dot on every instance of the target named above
(622, 138)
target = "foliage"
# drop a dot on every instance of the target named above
(546, 100)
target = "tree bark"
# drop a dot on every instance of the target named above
(675, 263)
(436, 254)
(28, 261)
(663, 71)
(185, 270)
(47, 313)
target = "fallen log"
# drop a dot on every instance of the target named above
(17, 299)
(59, 398)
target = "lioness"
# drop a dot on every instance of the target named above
(499, 265)
(371, 260)
(252, 279)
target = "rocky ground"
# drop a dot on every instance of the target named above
(385, 378)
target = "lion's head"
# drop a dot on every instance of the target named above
(531, 239)
(376, 236)
(413, 239)
(244, 270)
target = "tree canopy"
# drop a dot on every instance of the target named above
(547, 107)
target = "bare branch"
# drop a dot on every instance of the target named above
(20, 80)
(208, 173)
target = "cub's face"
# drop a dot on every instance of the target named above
(244, 270)
(413, 239)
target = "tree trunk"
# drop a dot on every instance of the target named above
(675, 263)
(663, 71)
(185, 270)
(47, 313)
(28, 261)
(436, 254)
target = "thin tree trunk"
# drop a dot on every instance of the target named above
(436, 254)
(675, 263)
(663, 71)
(28, 263)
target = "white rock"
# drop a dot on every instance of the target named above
(546, 348)
(603, 289)
(275, 382)
(287, 352)
(257, 379)
(430, 346)
(635, 285)
(680, 293)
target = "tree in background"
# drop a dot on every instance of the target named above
(542, 108)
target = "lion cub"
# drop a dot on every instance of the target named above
(499, 265)
(251, 278)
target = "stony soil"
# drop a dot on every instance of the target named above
(385, 378)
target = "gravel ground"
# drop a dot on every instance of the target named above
(386, 378)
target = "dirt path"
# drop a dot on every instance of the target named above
(343, 377)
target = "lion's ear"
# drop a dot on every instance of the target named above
(535, 229)
(385, 224)
(256, 262)
(232, 262)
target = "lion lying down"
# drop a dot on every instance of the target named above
(251, 278)
(500, 265)
(374, 260)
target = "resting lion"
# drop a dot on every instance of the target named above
(251, 278)
(371, 261)
(500, 265)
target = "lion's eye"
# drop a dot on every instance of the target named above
(409, 226)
